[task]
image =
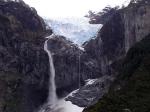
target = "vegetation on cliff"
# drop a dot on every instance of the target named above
(103, 16)
(131, 90)
(108, 12)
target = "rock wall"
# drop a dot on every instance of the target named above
(72, 64)
(108, 49)
(136, 22)
(109, 44)
(22, 37)
(127, 26)
(22, 57)
(131, 90)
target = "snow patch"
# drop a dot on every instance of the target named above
(90, 81)
(73, 92)
(81, 48)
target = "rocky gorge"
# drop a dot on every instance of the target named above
(94, 68)
(24, 63)
(127, 26)
(69, 60)
(125, 58)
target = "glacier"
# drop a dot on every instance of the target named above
(77, 30)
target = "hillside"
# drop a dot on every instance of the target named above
(131, 90)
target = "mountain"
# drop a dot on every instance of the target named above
(127, 27)
(78, 30)
(72, 64)
(22, 58)
(24, 65)
(131, 90)
(124, 43)
(109, 71)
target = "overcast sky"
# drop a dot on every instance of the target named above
(70, 8)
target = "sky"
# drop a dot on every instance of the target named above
(69, 8)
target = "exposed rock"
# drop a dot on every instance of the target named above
(72, 64)
(122, 31)
(131, 90)
(22, 34)
(108, 46)
(91, 92)
(136, 22)
(126, 27)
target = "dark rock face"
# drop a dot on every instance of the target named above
(22, 34)
(131, 90)
(22, 55)
(127, 26)
(91, 92)
(136, 22)
(109, 44)
(104, 50)
(122, 31)
(72, 64)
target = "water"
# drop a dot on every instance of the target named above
(79, 72)
(54, 104)
(52, 99)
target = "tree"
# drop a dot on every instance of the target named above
(139, 1)
(103, 16)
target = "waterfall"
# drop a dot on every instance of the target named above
(79, 72)
(53, 104)
(52, 98)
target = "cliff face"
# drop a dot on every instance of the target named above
(72, 64)
(122, 31)
(24, 65)
(117, 36)
(131, 90)
(23, 61)
(136, 22)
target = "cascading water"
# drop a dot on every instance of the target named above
(52, 98)
(54, 104)
(79, 72)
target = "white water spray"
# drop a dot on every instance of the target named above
(52, 98)
(53, 104)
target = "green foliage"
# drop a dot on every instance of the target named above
(134, 96)
(134, 57)
(103, 16)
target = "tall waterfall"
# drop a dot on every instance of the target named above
(53, 104)
(52, 98)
